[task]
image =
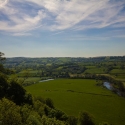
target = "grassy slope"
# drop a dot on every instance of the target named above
(73, 96)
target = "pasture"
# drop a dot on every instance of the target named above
(75, 95)
(95, 70)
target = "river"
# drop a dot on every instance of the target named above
(46, 80)
(110, 87)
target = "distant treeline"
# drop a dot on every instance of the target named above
(18, 60)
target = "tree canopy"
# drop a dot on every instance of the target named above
(1, 57)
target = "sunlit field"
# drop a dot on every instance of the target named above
(75, 95)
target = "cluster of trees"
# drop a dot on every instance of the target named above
(11, 89)
(38, 114)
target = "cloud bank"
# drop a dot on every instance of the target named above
(20, 16)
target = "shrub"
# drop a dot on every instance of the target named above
(85, 119)
(49, 103)
(104, 123)
(72, 120)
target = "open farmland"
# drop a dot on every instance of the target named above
(75, 95)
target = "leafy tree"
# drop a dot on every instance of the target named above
(72, 120)
(49, 102)
(85, 119)
(33, 119)
(39, 98)
(28, 98)
(51, 121)
(25, 111)
(18, 94)
(39, 107)
(104, 123)
(2, 69)
(9, 113)
(1, 57)
(3, 85)
(14, 91)
(58, 114)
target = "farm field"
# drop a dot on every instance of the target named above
(75, 95)
(95, 70)
(30, 79)
(117, 71)
(28, 72)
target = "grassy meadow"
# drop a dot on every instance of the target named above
(75, 95)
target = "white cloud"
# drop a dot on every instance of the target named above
(56, 33)
(60, 14)
(21, 34)
(3, 3)
(22, 22)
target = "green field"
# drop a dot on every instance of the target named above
(95, 71)
(118, 71)
(29, 80)
(28, 72)
(75, 95)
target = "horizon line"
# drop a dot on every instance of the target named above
(63, 57)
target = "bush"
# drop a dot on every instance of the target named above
(42, 100)
(25, 111)
(3, 85)
(39, 107)
(34, 119)
(55, 113)
(72, 120)
(51, 121)
(104, 123)
(85, 119)
(49, 103)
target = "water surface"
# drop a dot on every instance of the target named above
(46, 80)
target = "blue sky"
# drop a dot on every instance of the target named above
(62, 28)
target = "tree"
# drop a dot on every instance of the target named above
(1, 57)
(16, 93)
(51, 121)
(9, 113)
(2, 68)
(72, 120)
(85, 119)
(3, 85)
(104, 123)
(49, 103)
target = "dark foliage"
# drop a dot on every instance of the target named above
(85, 119)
